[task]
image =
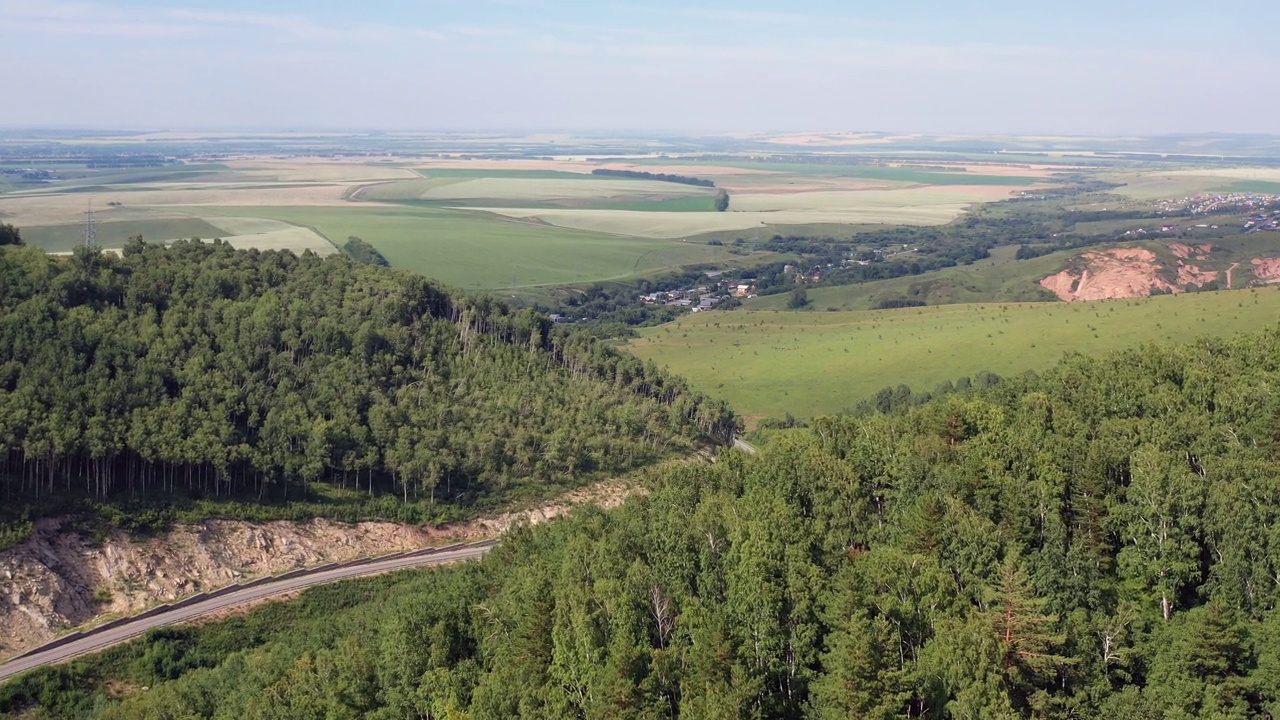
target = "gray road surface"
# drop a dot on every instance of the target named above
(106, 638)
(744, 446)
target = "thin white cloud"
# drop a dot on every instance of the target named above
(55, 17)
(749, 17)
(482, 31)
(290, 25)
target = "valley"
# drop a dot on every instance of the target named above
(945, 336)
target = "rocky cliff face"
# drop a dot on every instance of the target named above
(60, 578)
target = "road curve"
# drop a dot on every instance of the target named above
(95, 641)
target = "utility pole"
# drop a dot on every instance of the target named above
(90, 229)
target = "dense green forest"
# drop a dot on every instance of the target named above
(201, 371)
(1096, 542)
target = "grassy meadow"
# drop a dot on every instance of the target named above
(808, 363)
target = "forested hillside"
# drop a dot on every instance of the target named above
(1097, 542)
(199, 370)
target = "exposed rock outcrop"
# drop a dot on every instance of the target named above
(61, 578)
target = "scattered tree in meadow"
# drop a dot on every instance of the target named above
(799, 299)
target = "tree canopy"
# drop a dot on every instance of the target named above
(201, 370)
(1095, 542)
(10, 235)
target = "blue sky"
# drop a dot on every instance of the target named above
(1027, 67)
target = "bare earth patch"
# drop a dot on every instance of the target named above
(1108, 274)
(1267, 269)
(1193, 275)
(1186, 252)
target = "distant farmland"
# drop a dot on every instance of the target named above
(768, 363)
(519, 225)
(480, 251)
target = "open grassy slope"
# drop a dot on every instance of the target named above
(768, 363)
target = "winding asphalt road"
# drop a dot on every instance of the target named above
(95, 641)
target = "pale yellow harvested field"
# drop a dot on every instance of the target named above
(58, 209)
(246, 225)
(290, 237)
(683, 224)
(694, 170)
(29, 217)
(534, 190)
(911, 206)
(804, 184)
(949, 197)
(1241, 174)
(566, 164)
(297, 239)
(304, 170)
(402, 189)
(1001, 170)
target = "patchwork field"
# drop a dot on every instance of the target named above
(499, 224)
(480, 251)
(775, 196)
(897, 207)
(768, 363)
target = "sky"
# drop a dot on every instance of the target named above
(1086, 67)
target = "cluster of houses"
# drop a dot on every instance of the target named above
(31, 175)
(1264, 211)
(1206, 204)
(703, 297)
(1263, 222)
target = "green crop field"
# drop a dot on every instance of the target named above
(768, 363)
(482, 251)
(1254, 186)
(61, 238)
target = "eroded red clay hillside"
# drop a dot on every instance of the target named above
(1138, 272)
(1267, 269)
(1108, 274)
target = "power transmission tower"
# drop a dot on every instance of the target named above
(90, 229)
